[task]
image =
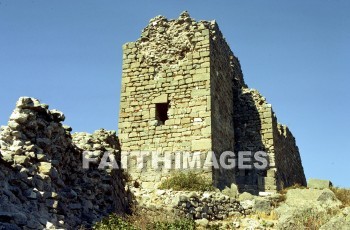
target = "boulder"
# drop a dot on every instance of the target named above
(312, 197)
(301, 203)
(231, 192)
(23, 160)
(245, 196)
(45, 168)
(262, 205)
(202, 222)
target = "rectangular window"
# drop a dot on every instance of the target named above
(162, 112)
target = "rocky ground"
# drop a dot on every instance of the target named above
(299, 208)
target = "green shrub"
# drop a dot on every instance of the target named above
(114, 222)
(176, 225)
(188, 182)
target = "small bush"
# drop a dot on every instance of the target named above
(342, 194)
(176, 225)
(188, 182)
(114, 222)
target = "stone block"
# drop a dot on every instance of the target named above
(21, 159)
(271, 173)
(203, 144)
(200, 77)
(268, 136)
(231, 192)
(185, 120)
(45, 168)
(319, 184)
(200, 92)
(161, 99)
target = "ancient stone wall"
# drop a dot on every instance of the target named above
(42, 181)
(192, 205)
(169, 64)
(251, 116)
(223, 74)
(257, 129)
(188, 67)
(288, 163)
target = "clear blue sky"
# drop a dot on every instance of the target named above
(296, 53)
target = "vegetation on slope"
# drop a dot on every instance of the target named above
(115, 222)
(187, 182)
(343, 195)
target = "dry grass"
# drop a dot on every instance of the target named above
(144, 219)
(343, 195)
(141, 218)
(143, 222)
(313, 220)
(268, 216)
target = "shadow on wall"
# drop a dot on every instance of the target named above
(288, 162)
(248, 137)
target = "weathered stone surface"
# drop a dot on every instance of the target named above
(262, 205)
(340, 221)
(300, 202)
(200, 206)
(318, 184)
(309, 197)
(45, 168)
(201, 144)
(42, 182)
(232, 191)
(245, 196)
(202, 222)
(161, 99)
(189, 65)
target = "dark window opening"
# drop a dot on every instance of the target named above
(162, 112)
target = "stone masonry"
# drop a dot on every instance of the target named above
(42, 182)
(183, 90)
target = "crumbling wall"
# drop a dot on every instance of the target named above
(42, 182)
(249, 133)
(257, 129)
(189, 65)
(170, 204)
(168, 64)
(288, 162)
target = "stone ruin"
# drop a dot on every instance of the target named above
(42, 181)
(183, 90)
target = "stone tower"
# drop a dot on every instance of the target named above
(183, 90)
